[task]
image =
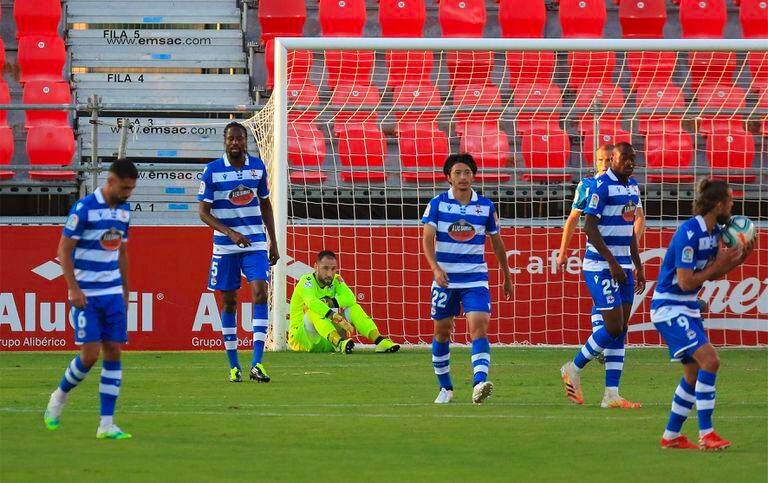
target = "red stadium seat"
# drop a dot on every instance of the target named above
(342, 18)
(408, 66)
(711, 68)
(282, 18)
(660, 99)
(402, 18)
(711, 96)
(42, 92)
(642, 19)
(362, 146)
(671, 151)
(6, 150)
(37, 17)
(345, 19)
(703, 19)
(462, 18)
(472, 102)
(647, 68)
(405, 18)
(546, 149)
(753, 16)
(605, 95)
(608, 133)
(537, 96)
(306, 149)
(50, 146)
(353, 97)
(732, 150)
(582, 19)
(302, 94)
(422, 145)
(488, 145)
(465, 18)
(299, 63)
(41, 58)
(590, 68)
(522, 18)
(530, 67)
(758, 67)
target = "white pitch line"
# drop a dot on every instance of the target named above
(347, 415)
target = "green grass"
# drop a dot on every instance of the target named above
(370, 417)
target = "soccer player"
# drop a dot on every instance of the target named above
(613, 356)
(695, 255)
(455, 225)
(316, 326)
(94, 258)
(234, 201)
(611, 255)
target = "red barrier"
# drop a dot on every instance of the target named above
(171, 309)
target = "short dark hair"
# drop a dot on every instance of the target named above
(124, 168)
(235, 124)
(709, 192)
(607, 147)
(325, 254)
(454, 159)
(625, 149)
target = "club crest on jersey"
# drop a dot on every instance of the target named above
(628, 211)
(242, 195)
(687, 255)
(610, 299)
(478, 210)
(461, 231)
(111, 239)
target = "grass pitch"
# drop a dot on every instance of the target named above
(370, 417)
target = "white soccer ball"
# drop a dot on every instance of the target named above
(738, 231)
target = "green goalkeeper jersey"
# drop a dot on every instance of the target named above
(308, 292)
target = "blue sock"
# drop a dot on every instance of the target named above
(481, 359)
(597, 342)
(229, 333)
(441, 359)
(109, 388)
(705, 400)
(74, 374)
(614, 362)
(682, 404)
(260, 325)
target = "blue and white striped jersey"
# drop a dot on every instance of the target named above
(460, 240)
(615, 204)
(234, 195)
(582, 193)
(99, 231)
(691, 247)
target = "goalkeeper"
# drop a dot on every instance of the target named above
(317, 325)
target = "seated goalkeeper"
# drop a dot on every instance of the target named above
(316, 323)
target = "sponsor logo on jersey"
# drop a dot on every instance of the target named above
(687, 255)
(689, 233)
(426, 212)
(242, 195)
(202, 188)
(111, 239)
(628, 211)
(72, 222)
(461, 231)
(308, 284)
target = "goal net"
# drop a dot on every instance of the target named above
(356, 131)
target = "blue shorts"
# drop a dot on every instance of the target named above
(226, 269)
(597, 319)
(102, 319)
(608, 293)
(448, 302)
(683, 335)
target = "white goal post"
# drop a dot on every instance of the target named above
(532, 215)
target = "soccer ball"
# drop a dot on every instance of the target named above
(738, 232)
